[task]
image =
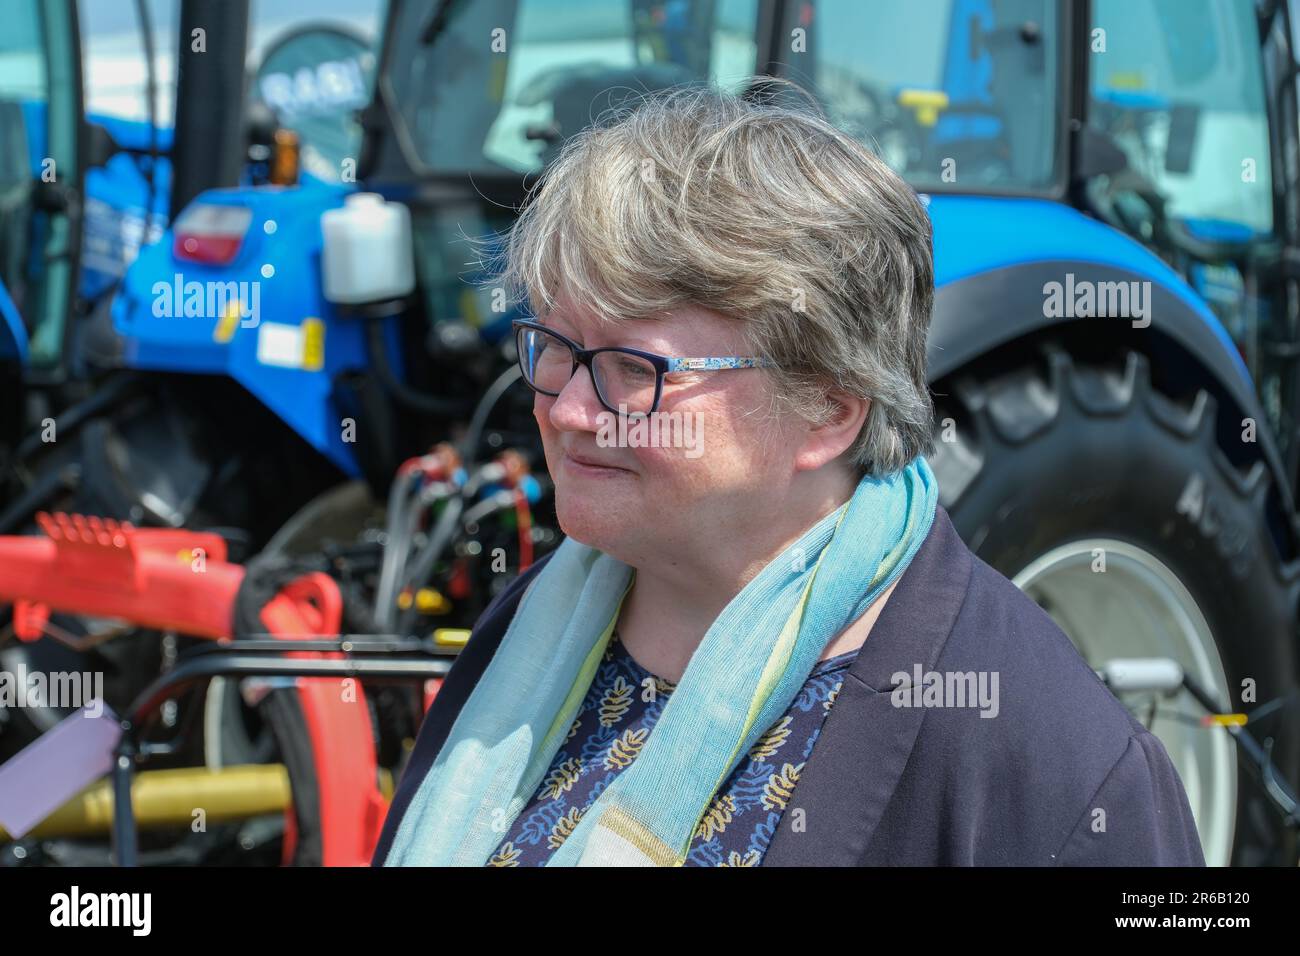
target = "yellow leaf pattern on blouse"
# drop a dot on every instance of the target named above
(780, 786)
(830, 698)
(562, 778)
(563, 827)
(507, 855)
(624, 750)
(771, 741)
(613, 727)
(716, 818)
(615, 702)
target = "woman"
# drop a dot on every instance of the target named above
(762, 640)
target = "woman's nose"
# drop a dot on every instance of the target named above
(577, 406)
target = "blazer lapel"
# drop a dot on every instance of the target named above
(849, 778)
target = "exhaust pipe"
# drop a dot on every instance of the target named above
(208, 141)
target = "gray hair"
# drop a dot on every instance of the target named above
(764, 213)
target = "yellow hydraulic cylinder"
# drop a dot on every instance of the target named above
(165, 798)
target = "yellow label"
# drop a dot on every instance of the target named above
(229, 321)
(313, 345)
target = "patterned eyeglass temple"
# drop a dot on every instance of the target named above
(708, 364)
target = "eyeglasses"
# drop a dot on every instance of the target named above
(628, 381)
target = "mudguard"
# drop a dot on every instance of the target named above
(1010, 267)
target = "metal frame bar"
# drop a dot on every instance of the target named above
(236, 660)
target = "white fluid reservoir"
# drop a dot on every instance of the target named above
(367, 256)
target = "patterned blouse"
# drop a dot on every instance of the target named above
(612, 726)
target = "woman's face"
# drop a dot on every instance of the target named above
(689, 480)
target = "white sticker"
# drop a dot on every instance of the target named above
(279, 344)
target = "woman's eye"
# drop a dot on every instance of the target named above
(635, 369)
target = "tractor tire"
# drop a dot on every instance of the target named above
(1054, 469)
(284, 716)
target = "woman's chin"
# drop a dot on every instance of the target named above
(590, 521)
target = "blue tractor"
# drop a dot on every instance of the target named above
(1114, 191)
(80, 194)
(84, 195)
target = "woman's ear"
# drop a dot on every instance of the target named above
(826, 442)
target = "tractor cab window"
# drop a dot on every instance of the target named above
(955, 94)
(499, 85)
(38, 174)
(1179, 88)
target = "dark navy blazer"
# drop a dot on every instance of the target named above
(1062, 775)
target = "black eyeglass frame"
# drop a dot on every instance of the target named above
(663, 364)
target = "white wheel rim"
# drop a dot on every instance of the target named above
(1137, 607)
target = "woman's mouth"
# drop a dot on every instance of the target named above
(590, 467)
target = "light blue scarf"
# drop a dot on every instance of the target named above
(740, 680)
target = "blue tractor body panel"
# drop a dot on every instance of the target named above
(288, 345)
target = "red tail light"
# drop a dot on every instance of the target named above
(210, 234)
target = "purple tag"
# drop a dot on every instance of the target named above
(58, 765)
